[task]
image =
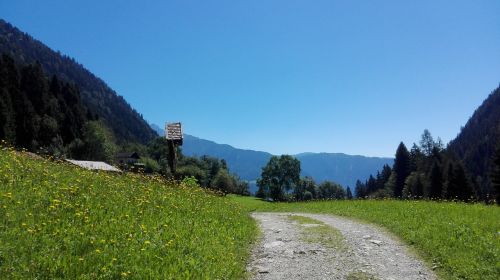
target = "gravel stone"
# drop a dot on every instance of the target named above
(369, 250)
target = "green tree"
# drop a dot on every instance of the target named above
(457, 185)
(427, 143)
(401, 168)
(99, 144)
(192, 170)
(435, 181)
(306, 184)
(150, 165)
(348, 193)
(360, 189)
(224, 182)
(495, 174)
(280, 175)
(414, 185)
(261, 192)
(330, 190)
(417, 158)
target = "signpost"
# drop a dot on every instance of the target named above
(173, 133)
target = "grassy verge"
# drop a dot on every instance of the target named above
(59, 221)
(460, 241)
(318, 232)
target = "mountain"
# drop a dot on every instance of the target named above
(475, 144)
(246, 163)
(160, 131)
(126, 124)
(341, 168)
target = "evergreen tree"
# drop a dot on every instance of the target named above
(457, 185)
(415, 157)
(495, 174)
(427, 143)
(435, 181)
(414, 186)
(348, 193)
(371, 184)
(401, 168)
(360, 189)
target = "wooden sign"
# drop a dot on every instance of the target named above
(173, 132)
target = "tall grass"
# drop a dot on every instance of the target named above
(460, 241)
(59, 221)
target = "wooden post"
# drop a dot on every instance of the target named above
(173, 133)
(172, 156)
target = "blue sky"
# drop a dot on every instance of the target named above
(285, 76)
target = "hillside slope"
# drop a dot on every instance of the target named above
(63, 222)
(476, 142)
(341, 168)
(126, 123)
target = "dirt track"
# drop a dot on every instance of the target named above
(366, 252)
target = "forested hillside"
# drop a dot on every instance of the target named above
(478, 140)
(468, 169)
(125, 123)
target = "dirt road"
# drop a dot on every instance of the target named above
(309, 246)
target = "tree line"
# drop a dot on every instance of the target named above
(280, 181)
(426, 171)
(47, 116)
(41, 114)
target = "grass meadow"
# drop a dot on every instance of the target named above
(458, 240)
(60, 221)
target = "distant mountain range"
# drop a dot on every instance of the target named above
(341, 168)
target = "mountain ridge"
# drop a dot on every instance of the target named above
(126, 123)
(246, 163)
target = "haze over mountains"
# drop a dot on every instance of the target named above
(340, 168)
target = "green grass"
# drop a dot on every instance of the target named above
(461, 241)
(59, 221)
(320, 233)
(359, 275)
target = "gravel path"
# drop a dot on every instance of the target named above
(368, 252)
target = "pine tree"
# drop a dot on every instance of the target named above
(427, 143)
(435, 181)
(348, 193)
(416, 158)
(360, 189)
(457, 185)
(371, 184)
(401, 169)
(495, 174)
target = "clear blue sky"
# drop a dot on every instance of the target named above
(285, 76)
